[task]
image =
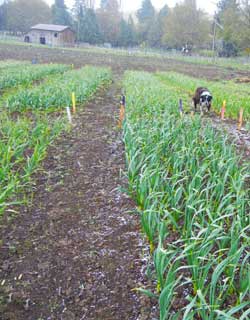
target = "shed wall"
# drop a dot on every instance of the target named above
(52, 38)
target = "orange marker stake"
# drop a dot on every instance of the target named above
(74, 102)
(223, 110)
(122, 116)
(240, 118)
(122, 111)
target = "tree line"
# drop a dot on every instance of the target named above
(183, 25)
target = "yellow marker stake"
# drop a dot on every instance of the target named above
(223, 110)
(240, 119)
(72, 66)
(74, 102)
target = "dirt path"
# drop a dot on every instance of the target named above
(241, 138)
(75, 254)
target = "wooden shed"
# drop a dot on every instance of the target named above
(51, 34)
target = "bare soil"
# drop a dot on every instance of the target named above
(241, 138)
(118, 63)
(76, 252)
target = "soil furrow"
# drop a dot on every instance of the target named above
(75, 253)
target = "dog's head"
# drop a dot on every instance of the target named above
(206, 99)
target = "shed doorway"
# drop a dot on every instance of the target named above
(42, 40)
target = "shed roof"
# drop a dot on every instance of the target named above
(49, 27)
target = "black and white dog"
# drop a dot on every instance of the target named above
(203, 98)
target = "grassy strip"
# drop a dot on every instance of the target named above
(236, 95)
(194, 205)
(241, 64)
(56, 93)
(12, 64)
(25, 139)
(25, 74)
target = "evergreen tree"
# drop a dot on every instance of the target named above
(156, 30)
(89, 28)
(60, 3)
(164, 12)
(155, 33)
(3, 16)
(127, 33)
(103, 4)
(60, 14)
(146, 12)
(109, 18)
(133, 30)
(110, 5)
(78, 6)
(77, 10)
(146, 16)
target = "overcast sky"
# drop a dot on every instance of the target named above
(132, 5)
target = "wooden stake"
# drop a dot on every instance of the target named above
(69, 115)
(223, 110)
(74, 102)
(240, 118)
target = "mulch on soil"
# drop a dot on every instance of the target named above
(75, 253)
